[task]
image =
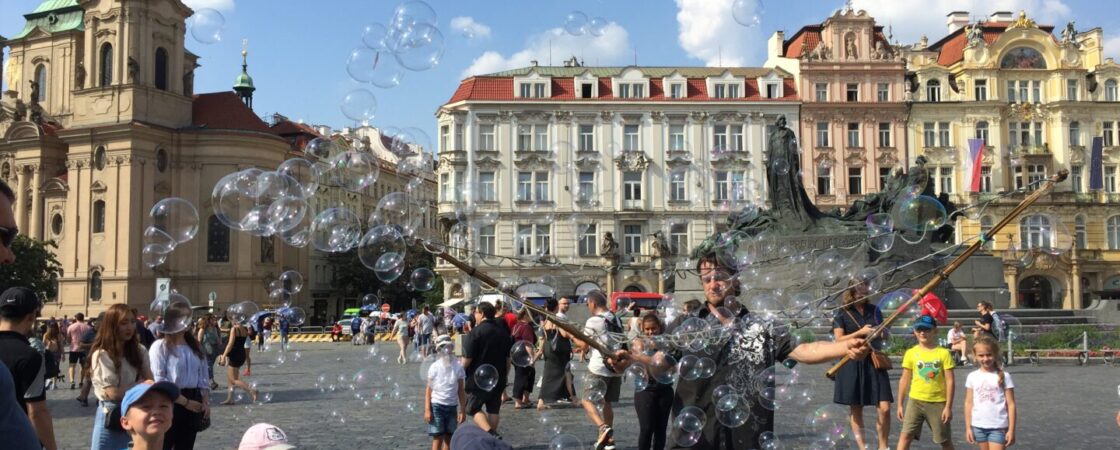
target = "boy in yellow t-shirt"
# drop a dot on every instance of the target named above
(927, 375)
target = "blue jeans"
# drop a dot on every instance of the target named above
(443, 420)
(105, 439)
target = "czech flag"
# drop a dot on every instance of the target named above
(973, 164)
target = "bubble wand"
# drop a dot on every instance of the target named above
(943, 274)
(490, 281)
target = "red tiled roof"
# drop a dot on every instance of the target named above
(225, 111)
(810, 35)
(563, 88)
(951, 47)
(287, 127)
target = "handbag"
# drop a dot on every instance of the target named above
(879, 360)
(203, 422)
(113, 419)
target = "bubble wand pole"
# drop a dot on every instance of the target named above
(490, 281)
(943, 274)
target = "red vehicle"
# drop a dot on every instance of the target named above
(646, 300)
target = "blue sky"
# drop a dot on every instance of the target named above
(298, 48)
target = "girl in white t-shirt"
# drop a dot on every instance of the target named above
(989, 402)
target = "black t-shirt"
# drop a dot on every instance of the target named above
(990, 321)
(487, 343)
(27, 366)
(753, 347)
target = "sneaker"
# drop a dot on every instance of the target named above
(605, 435)
(609, 447)
(72, 386)
(495, 434)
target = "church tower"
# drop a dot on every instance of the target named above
(243, 85)
(136, 63)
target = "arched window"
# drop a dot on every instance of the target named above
(161, 69)
(98, 225)
(217, 241)
(1079, 232)
(982, 131)
(41, 79)
(106, 65)
(1110, 94)
(1075, 133)
(95, 286)
(1112, 229)
(1035, 231)
(933, 90)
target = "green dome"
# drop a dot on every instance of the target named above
(243, 81)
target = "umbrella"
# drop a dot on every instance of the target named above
(932, 306)
(257, 320)
(370, 308)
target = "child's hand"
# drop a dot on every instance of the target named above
(461, 417)
(428, 415)
(899, 412)
(968, 435)
(946, 415)
(1010, 438)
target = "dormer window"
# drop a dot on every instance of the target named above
(586, 90)
(534, 90)
(631, 90)
(933, 91)
(726, 90)
(676, 90)
(773, 90)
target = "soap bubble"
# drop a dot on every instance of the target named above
(780, 166)
(422, 279)
(285, 213)
(596, 26)
(687, 439)
(733, 418)
(207, 25)
(389, 266)
(522, 354)
(158, 241)
(663, 368)
(320, 148)
(575, 23)
(374, 37)
(687, 367)
(1007, 327)
(354, 170)
(335, 230)
(638, 374)
(299, 235)
(830, 421)
(769, 441)
(296, 316)
(690, 419)
(594, 389)
(486, 377)
(419, 48)
(920, 213)
(397, 210)
(240, 312)
(359, 105)
(292, 281)
(377, 242)
(152, 257)
(304, 172)
(565, 441)
(409, 14)
(175, 217)
(894, 300)
(747, 13)
(176, 312)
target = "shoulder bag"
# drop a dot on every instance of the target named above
(879, 360)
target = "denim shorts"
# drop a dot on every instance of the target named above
(993, 435)
(443, 420)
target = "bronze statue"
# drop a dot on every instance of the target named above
(786, 193)
(34, 92)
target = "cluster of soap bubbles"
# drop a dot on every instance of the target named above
(174, 221)
(409, 41)
(578, 23)
(207, 25)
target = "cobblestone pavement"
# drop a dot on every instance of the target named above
(1060, 406)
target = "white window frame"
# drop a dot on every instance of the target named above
(631, 138)
(632, 239)
(855, 181)
(1111, 93)
(883, 92)
(487, 137)
(1077, 178)
(632, 189)
(487, 240)
(885, 135)
(980, 89)
(823, 134)
(586, 138)
(677, 138)
(933, 90)
(824, 181)
(678, 239)
(853, 135)
(986, 179)
(588, 240)
(487, 190)
(1112, 232)
(1036, 230)
(848, 91)
(821, 90)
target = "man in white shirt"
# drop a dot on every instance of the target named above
(597, 327)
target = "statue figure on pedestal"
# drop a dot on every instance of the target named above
(609, 249)
(783, 179)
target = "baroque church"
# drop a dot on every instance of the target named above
(99, 122)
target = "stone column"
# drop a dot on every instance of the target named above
(1075, 283)
(36, 204)
(21, 199)
(1010, 277)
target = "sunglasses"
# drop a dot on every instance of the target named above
(7, 235)
(715, 276)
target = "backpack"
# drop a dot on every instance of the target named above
(613, 325)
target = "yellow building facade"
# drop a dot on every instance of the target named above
(1037, 97)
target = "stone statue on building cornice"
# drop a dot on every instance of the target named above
(1069, 33)
(850, 49)
(80, 75)
(133, 70)
(975, 35)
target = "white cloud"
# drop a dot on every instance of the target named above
(1112, 47)
(469, 28)
(910, 23)
(708, 32)
(220, 5)
(613, 47)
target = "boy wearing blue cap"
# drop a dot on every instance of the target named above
(148, 408)
(931, 394)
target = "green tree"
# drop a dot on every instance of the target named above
(36, 267)
(353, 279)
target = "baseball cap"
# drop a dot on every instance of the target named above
(18, 302)
(443, 340)
(140, 390)
(264, 436)
(924, 323)
(471, 437)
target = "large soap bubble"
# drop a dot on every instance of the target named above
(335, 230)
(176, 217)
(242, 311)
(377, 242)
(207, 25)
(359, 105)
(575, 23)
(306, 173)
(176, 312)
(920, 213)
(747, 13)
(486, 377)
(420, 47)
(422, 279)
(291, 280)
(354, 170)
